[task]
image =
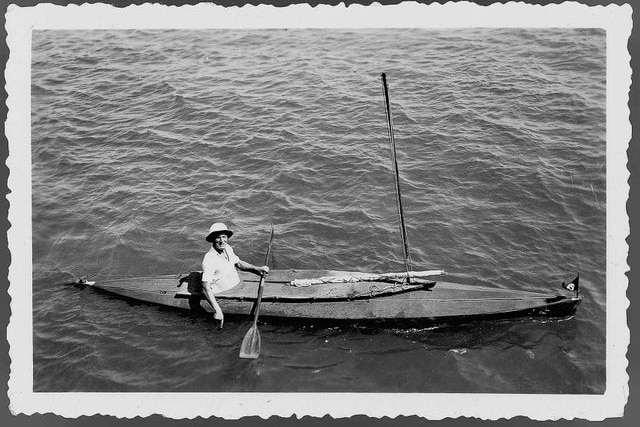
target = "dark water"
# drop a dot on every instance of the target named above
(142, 139)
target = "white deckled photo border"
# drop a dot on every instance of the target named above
(21, 21)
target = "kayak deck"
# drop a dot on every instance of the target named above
(357, 301)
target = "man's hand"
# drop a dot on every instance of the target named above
(220, 317)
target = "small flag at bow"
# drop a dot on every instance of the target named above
(572, 285)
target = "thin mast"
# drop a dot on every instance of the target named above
(392, 142)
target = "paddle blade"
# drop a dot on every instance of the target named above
(250, 348)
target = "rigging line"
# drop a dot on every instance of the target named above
(396, 175)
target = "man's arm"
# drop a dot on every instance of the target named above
(245, 266)
(209, 295)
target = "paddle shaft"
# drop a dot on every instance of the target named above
(396, 175)
(256, 307)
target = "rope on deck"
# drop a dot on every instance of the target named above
(384, 277)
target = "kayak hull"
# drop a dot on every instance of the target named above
(439, 301)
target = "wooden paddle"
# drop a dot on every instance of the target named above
(250, 348)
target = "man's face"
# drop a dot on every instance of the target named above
(220, 242)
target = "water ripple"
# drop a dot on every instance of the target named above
(141, 139)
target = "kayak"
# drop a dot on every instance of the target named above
(298, 295)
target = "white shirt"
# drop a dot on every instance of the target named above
(219, 269)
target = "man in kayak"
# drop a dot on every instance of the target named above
(219, 272)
